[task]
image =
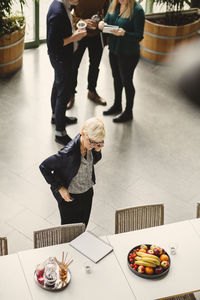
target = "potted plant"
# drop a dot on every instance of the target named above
(164, 31)
(12, 30)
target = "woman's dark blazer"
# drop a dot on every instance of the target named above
(59, 169)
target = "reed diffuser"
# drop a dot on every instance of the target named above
(63, 266)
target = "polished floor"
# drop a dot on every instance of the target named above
(154, 159)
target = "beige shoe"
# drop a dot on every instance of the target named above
(96, 98)
(71, 102)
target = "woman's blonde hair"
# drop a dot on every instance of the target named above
(128, 10)
(94, 129)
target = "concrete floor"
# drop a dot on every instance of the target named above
(154, 159)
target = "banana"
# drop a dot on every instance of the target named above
(142, 254)
(148, 259)
(145, 263)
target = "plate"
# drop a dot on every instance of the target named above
(144, 275)
(59, 285)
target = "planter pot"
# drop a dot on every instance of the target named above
(160, 41)
(11, 52)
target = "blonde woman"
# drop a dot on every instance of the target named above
(71, 175)
(124, 52)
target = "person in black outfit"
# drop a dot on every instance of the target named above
(124, 53)
(86, 10)
(61, 45)
(71, 172)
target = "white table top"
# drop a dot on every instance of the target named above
(12, 281)
(110, 278)
(196, 224)
(182, 277)
(105, 282)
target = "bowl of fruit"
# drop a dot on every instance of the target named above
(148, 261)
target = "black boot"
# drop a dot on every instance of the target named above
(63, 140)
(68, 120)
(113, 110)
(124, 117)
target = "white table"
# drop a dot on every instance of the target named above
(105, 282)
(110, 278)
(13, 284)
(183, 276)
(196, 224)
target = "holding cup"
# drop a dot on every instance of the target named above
(81, 25)
(95, 19)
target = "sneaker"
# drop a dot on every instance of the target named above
(96, 98)
(68, 120)
(70, 104)
(123, 117)
(114, 109)
(63, 140)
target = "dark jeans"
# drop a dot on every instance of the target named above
(61, 90)
(123, 67)
(95, 53)
(77, 211)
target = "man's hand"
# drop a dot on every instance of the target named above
(64, 194)
(119, 32)
(78, 34)
(91, 24)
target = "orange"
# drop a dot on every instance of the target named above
(143, 250)
(149, 270)
(164, 257)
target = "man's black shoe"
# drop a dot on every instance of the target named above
(52, 120)
(123, 117)
(113, 110)
(63, 140)
(68, 120)
(71, 120)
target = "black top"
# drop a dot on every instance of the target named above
(58, 28)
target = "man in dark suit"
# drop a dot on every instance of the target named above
(61, 43)
(89, 11)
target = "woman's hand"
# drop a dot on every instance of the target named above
(119, 32)
(64, 194)
(101, 25)
(98, 148)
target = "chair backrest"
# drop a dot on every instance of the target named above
(57, 235)
(139, 217)
(198, 210)
(3, 246)
(190, 296)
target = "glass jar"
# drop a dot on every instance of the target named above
(50, 274)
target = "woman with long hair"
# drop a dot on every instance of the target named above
(124, 52)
